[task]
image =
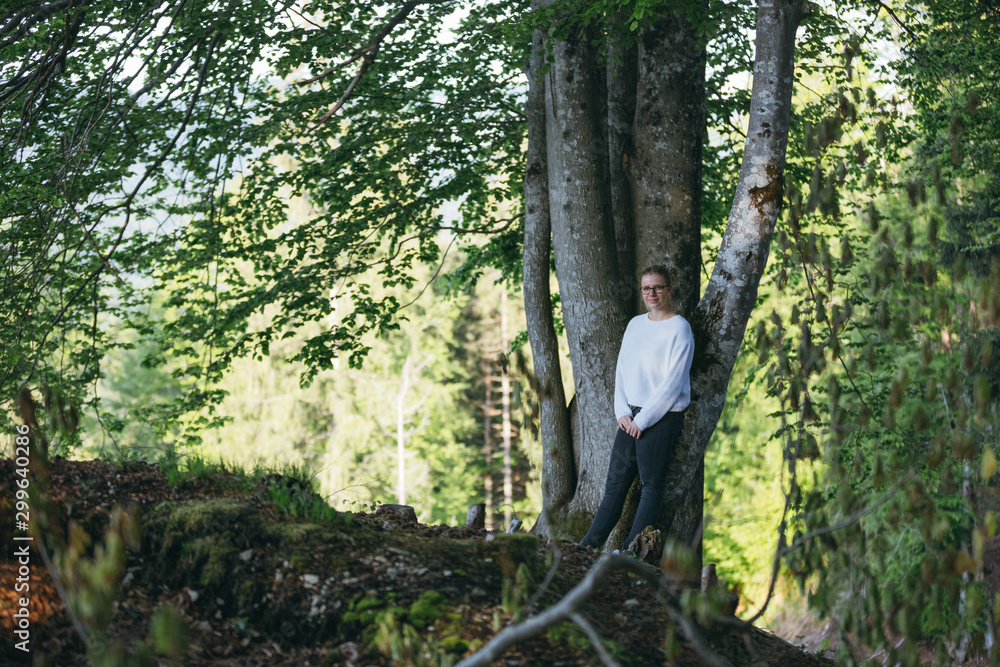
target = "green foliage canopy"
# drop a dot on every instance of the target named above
(160, 146)
(883, 360)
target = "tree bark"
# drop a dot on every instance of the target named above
(722, 314)
(666, 167)
(590, 284)
(622, 70)
(558, 466)
(665, 176)
(624, 194)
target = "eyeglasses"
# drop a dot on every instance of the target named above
(656, 289)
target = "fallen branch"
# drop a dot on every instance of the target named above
(568, 609)
(559, 612)
(595, 640)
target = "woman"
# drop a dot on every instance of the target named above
(652, 390)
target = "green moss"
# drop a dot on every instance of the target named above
(525, 545)
(246, 594)
(368, 602)
(294, 532)
(362, 610)
(575, 524)
(214, 555)
(454, 644)
(429, 607)
(200, 517)
(203, 538)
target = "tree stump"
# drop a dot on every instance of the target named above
(708, 577)
(710, 580)
(647, 545)
(476, 517)
(398, 513)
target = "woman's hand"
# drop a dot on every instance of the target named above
(629, 427)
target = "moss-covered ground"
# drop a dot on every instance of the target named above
(231, 569)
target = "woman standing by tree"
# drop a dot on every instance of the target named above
(652, 390)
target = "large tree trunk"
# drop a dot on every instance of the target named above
(591, 287)
(623, 148)
(623, 195)
(665, 176)
(722, 314)
(666, 167)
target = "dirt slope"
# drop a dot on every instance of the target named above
(221, 574)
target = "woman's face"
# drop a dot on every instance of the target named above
(654, 291)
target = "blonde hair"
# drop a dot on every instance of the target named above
(659, 270)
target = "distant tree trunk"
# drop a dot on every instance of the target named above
(615, 160)
(488, 445)
(404, 387)
(505, 428)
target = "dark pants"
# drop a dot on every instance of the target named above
(648, 456)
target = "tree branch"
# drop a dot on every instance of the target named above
(367, 54)
(895, 18)
(559, 612)
(323, 75)
(482, 229)
(31, 16)
(854, 518)
(595, 640)
(720, 320)
(568, 609)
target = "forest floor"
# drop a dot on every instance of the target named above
(228, 569)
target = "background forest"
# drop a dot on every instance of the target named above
(195, 283)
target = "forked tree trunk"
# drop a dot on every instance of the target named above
(619, 196)
(593, 291)
(722, 314)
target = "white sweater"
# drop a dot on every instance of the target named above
(654, 368)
